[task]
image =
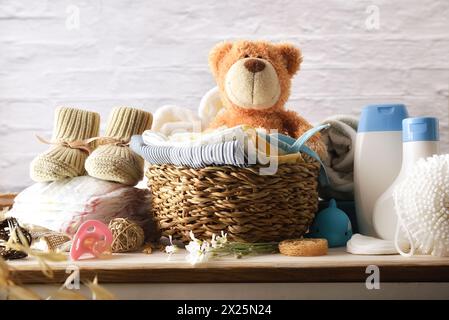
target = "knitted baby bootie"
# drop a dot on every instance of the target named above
(114, 160)
(65, 159)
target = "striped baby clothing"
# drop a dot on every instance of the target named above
(180, 139)
(217, 154)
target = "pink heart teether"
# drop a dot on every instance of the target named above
(93, 237)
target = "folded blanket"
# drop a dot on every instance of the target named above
(170, 119)
(63, 205)
(210, 106)
(174, 119)
(340, 141)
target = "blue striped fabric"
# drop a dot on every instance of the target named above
(219, 154)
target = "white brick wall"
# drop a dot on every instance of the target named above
(150, 53)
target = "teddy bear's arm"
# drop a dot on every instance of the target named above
(219, 121)
(294, 124)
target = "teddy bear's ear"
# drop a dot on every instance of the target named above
(216, 55)
(292, 57)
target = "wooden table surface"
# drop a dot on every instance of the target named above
(337, 266)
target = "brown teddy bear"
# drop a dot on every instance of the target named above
(254, 79)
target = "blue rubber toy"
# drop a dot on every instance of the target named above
(332, 224)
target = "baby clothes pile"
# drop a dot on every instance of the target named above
(238, 146)
(64, 196)
(165, 137)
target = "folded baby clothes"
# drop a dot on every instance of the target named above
(219, 135)
(210, 106)
(238, 146)
(340, 141)
(218, 154)
(171, 119)
(255, 140)
(63, 205)
(288, 147)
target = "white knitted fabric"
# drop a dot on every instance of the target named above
(422, 206)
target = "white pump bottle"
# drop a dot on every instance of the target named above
(420, 140)
(377, 158)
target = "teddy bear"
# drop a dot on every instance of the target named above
(254, 80)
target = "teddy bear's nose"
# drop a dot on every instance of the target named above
(254, 65)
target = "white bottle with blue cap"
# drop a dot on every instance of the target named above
(377, 158)
(420, 138)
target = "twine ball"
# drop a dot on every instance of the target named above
(422, 204)
(127, 235)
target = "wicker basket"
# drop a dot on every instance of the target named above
(248, 206)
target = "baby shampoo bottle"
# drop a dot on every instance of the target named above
(377, 158)
(420, 138)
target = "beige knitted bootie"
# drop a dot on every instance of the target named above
(65, 159)
(115, 161)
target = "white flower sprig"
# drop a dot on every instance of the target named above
(219, 241)
(172, 248)
(199, 251)
(202, 251)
